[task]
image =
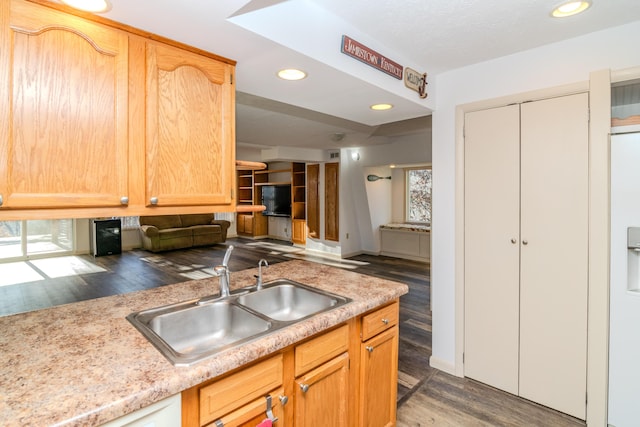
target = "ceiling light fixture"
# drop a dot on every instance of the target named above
(292, 74)
(570, 8)
(381, 107)
(89, 5)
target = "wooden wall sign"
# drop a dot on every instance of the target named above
(416, 81)
(370, 57)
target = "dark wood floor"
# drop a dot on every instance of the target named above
(426, 396)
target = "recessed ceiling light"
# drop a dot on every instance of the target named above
(292, 74)
(381, 107)
(89, 5)
(570, 8)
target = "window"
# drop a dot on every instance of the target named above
(30, 239)
(418, 195)
(130, 222)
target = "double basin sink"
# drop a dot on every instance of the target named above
(190, 331)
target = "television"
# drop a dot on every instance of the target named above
(277, 199)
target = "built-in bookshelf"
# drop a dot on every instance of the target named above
(298, 203)
(255, 224)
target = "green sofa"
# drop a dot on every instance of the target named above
(167, 232)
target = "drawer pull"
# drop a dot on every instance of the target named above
(385, 321)
(124, 200)
(369, 348)
(304, 387)
(153, 200)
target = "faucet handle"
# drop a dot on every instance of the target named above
(220, 270)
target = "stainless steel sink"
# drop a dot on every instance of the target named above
(284, 300)
(188, 332)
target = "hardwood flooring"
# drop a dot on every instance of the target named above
(426, 396)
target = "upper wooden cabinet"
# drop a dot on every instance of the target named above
(190, 157)
(98, 119)
(63, 113)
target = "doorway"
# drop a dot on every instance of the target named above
(30, 239)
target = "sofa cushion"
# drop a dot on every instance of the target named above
(196, 219)
(205, 229)
(173, 233)
(162, 222)
(176, 243)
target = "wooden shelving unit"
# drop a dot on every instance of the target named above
(298, 203)
(255, 224)
(244, 223)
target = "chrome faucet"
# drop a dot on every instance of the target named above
(222, 271)
(259, 276)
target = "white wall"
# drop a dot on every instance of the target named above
(365, 205)
(397, 195)
(380, 201)
(557, 64)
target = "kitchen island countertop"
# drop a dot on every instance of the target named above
(85, 364)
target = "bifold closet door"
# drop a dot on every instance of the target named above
(554, 252)
(492, 223)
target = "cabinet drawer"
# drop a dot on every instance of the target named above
(229, 393)
(379, 320)
(254, 412)
(321, 349)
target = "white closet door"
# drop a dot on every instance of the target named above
(554, 262)
(491, 257)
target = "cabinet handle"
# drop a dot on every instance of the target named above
(1, 201)
(525, 242)
(283, 400)
(513, 241)
(124, 200)
(385, 321)
(369, 348)
(153, 200)
(304, 387)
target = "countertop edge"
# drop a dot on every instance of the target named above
(150, 377)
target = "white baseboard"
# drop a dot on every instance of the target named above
(442, 365)
(350, 254)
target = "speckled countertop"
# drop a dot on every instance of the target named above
(85, 364)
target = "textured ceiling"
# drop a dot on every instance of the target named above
(431, 36)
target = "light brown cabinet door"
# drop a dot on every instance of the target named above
(64, 112)
(331, 197)
(190, 141)
(322, 395)
(252, 414)
(379, 379)
(299, 231)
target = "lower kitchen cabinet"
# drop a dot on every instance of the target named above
(379, 375)
(379, 367)
(346, 376)
(322, 395)
(257, 411)
(234, 399)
